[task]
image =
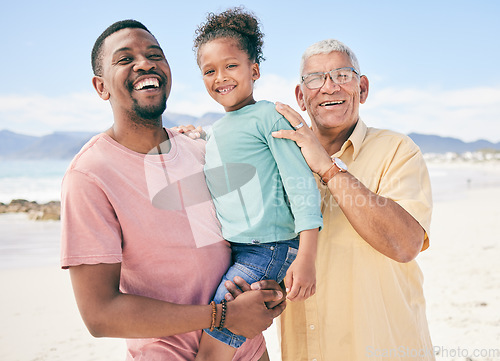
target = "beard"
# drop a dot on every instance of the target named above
(149, 115)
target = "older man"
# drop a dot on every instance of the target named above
(139, 232)
(376, 204)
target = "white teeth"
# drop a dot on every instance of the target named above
(147, 82)
(225, 89)
(331, 103)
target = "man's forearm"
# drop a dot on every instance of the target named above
(381, 222)
(109, 313)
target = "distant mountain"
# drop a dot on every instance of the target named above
(206, 120)
(10, 141)
(58, 145)
(64, 145)
(173, 119)
(437, 144)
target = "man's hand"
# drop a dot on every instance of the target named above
(315, 155)
(248, 315)
(191, 131)
(239, 285)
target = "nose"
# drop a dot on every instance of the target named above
(329, 86)
(144, 64)
(220, 76)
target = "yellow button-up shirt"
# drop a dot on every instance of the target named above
(367, 306)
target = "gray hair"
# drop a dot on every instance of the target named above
(326, 47)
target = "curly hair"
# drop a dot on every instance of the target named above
(235, 23)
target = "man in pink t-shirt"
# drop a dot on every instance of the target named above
(139, 231)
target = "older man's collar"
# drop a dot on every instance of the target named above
(355, 139)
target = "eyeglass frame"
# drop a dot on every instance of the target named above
(329, 75)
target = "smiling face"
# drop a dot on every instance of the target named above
(136, 76)
(333, 108)
(228, 74)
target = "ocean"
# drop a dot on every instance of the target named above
(33, 180)
(25, 243)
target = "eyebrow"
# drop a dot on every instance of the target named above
(128, 49)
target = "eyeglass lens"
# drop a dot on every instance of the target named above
(338, 76)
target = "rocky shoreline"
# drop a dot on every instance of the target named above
(50, 211)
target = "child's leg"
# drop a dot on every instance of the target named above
(214, 350)
(220, 345)
(252, 263)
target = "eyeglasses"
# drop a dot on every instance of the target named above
(338, 76)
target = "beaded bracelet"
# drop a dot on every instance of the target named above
(223, 316)
(214, 315)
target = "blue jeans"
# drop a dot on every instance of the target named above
(254, 262)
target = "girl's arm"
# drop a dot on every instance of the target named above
(300, 280)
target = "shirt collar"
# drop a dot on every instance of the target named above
(355, 139)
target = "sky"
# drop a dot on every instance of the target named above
(432, 65)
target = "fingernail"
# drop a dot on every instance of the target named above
(255, 286)
(280, 295)
(287, 290)
(279, 105)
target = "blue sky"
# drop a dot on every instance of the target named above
(432, 65)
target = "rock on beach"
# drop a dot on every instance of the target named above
(39, 212)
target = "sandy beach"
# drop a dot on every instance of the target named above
(40, 320)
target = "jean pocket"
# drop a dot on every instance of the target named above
(290, 257)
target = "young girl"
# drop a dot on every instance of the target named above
(264, 192)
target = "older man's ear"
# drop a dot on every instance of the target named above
(364, 86)
(300, 98)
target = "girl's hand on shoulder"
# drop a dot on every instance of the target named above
(190, 131)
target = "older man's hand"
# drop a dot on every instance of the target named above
(315, 155)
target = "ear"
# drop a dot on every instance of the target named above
(364, 85)
(300, 98)
(99, 86)
(255, 71)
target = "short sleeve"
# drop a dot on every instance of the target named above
(407, 182)
(90, 231)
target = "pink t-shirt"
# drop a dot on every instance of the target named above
(153, 214)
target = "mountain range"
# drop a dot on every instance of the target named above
(64, 145)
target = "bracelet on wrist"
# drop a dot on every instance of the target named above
(214, 315)
(223, 315)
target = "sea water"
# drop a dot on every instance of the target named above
(451, 180)
(26, 243)
(33, 180)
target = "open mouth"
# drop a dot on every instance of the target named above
(332, 103)
(225, 89)
(147, 83)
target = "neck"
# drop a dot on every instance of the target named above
(243, 104)
(332, 139)
(139, 138)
